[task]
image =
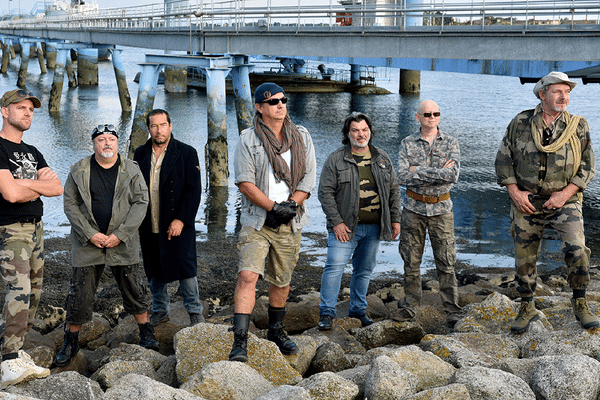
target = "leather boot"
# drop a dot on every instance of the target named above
(583, 313)
(147, 338)
(239, 351)
(69, 348)
(277, 335)
(527, 314)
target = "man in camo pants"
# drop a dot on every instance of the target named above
(546, 161)
(24, 178)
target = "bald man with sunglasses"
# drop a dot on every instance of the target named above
(429, 163)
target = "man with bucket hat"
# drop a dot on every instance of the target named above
(546, 161)
(275, 170)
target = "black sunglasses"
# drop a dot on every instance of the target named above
(428, 114)
(274, 102)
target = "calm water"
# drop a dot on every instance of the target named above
(475, 108)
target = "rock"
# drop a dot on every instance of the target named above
(357, 375)
(77, 364)
(286, 392)
(328, 357)
(43, 356)
(339, 334)
(387, 380)
(166, 372)
(493, 384)
(298, 317)
(9, 396)
(94, 358)
(329, 386)
(109, 374)
(203, 344)
(89, 331)
(307, 350)
(455, 391)
(134, 352)
(521, 367)
(566, 377)
(494, 346)
(35, 339)
(68, 385)
(126, 331)
(226, 380)
(455, 352)
(135, 387)
(389, 332)
(572, 339)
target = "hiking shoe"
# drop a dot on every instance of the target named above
(364, 319)
(583, 314)
(195, 319)
(40, 372)
(278, 336)
(20, 370)
(159, 318)
(325, 323)
(403, 315)
(527, 315)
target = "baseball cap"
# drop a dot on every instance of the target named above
(18, 95)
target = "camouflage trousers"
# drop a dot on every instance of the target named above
(22, 269)
(527, 232)
(413, 230)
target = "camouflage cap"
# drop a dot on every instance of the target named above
(550, 79)
(18, 95)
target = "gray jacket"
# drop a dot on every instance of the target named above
(339, 190)
(252, 165)
(129, 209)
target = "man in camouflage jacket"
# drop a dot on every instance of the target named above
(546, 161)
(429, 164)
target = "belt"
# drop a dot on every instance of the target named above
(31, 221)
(427, 199)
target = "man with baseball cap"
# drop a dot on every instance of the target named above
(105, 201)
(24, 178)
(546, 161)
(275, 170)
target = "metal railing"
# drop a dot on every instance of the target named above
(267, 15)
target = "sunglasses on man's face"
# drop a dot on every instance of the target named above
(274, 102)
(428, 114)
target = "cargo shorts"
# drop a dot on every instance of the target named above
(280, 246)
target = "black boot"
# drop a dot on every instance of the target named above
(147, 338)
(69, 348)
(276, 333)
(239, 351)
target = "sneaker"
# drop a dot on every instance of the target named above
(195, 319)
(20, 370)
(583, 314)
(325, 323)
(403, 315)
(159, 318)
(364, 319)
(527, 315)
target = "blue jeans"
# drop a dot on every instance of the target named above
(363, 250)
(189, 290)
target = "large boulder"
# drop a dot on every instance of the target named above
(68, 385)
(493, 384)
(286, 392)
(389, 332)
(134, 352)
(135, 387)
(329, 357)
(566, 377)
(455, 391)
(109, 374)
(386, 380)
(329, 386)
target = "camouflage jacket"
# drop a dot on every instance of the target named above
(429, 178)
(519, 161)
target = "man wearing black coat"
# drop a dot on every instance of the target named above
(167, 234)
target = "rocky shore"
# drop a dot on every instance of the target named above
(555, 359)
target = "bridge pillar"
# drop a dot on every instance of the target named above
(244, 106)
(119, 68)
(25, 51)
(13, 54)
(410, 81)
(354, 74)
(216, 146)
(175, 79)
(5, 56)
(87, 66)
(71, 71)
(50, 56)
(40, 56)
(58, 80)
(143, 105)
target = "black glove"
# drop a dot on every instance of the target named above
(281, 214)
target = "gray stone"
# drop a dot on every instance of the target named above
(43, 356)
(357, 375)
(328, 357)
(573, 339)
(307, 350)
(389, 332)
(136, 387)
(286, 392)
(339, 334)
(126, 331)
(566, 377)
(10, 396)
(166, 372)
(68, 385)
(109, 374)
(94, 358)
(329, 386)
(134, 352)
(226, 380)
(493, 384)
(521, 367)
(455, 391)
(455, 352)
(298, 317)
(386, 380)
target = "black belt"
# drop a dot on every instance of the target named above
(31, 221)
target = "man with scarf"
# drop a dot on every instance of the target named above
(275, 170)
(546, 161)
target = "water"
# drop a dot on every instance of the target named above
(475, 108)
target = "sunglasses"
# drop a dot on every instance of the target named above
(274, 102)
(104, 128)
(428, 114)
(19, 93)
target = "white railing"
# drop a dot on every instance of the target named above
(239, 15)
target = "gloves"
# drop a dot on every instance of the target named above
(281, 214)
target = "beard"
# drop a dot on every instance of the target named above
(107, 154)
(357, 144)
(20, 124)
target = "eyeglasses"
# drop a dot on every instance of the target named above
(105, 128)
(274, 102)
(429, 114)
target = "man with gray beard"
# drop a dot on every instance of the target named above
(105, 200)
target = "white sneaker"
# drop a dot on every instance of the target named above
(40, 372)
(16, 371)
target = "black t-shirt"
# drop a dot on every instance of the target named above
(102, 190)
(23, 161)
